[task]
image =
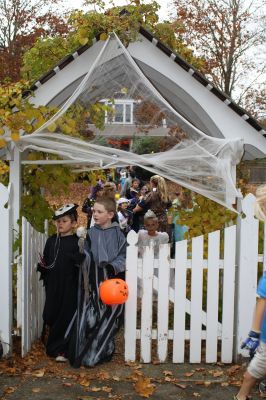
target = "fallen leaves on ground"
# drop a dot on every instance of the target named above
(95, 389)
(36, 390)
(143, 386)
(84, 382)
(180, 385)
(103, 375)
(233, 370)
(38, 373)
(107, 389)
(9, 390)
(188, 374)
(216, 374)
(168, 373)
(67, 384)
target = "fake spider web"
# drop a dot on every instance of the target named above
(115, 112)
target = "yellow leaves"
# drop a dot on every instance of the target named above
(83, 32)
(71, 122)
(124, 90)
(15, 136)
(3, 143)
(33, 156)
(41, 120)
(143, 386)
(84, 382)
(83, 40)
(103, 36)
(2, 131)
(52, 127)
(66, 128)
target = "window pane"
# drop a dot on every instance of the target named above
(119, 110)
(128, 113)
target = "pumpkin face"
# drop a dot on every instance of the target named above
(114, 291)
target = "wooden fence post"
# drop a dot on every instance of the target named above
(131, 304)
(6, 268)
(246, 277)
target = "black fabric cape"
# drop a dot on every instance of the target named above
(92, 335)
(61, 287)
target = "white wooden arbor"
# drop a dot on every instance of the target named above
(190, 93)
(180, 84)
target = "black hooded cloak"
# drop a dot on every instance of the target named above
(61, 287)
(93, 331)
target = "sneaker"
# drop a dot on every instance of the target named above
(61, 358)
(247, 398)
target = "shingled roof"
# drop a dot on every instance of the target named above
(175, 57)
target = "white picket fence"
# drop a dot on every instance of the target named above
(169, 320)
(191, 323)
(30, 291)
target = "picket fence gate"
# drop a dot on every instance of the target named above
(187, 308)
(164, 281)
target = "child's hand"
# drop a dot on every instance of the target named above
(251, 343)
(82, 232)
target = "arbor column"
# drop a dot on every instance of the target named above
(15, 180)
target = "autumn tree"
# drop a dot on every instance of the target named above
(44, 54)
(21, 23)
(230, 35)
(85, 26)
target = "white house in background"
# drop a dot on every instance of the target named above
(185, 89)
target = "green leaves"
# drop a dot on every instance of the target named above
(202, 216)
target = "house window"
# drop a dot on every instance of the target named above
(119, 113)
(123, 112)
(128, 113)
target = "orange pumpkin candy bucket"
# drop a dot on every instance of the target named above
(114, 291)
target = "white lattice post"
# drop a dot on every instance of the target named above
(247, 265)
(6, 270)
(131, 304)
(15, 180)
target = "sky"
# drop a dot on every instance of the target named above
(163, 12)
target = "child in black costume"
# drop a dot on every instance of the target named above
(59, 272)
(92, 338)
